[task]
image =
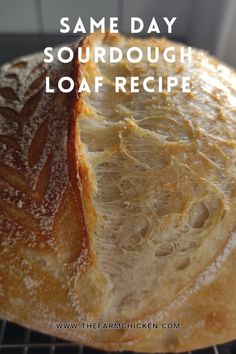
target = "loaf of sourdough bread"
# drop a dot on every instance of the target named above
(119, 208)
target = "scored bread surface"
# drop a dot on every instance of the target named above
(120, 207)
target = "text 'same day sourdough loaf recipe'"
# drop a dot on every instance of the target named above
(119, 207)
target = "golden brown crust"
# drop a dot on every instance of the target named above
(44, 244)
(52, 264)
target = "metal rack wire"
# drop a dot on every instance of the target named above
(15, 339)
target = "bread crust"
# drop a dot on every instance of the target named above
(44, 242)
(50, 263)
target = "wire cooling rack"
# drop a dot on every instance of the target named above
(15, 339)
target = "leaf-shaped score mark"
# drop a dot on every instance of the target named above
(36, 70)
(37, 83)
(37, 144)
(11, 77)
(20, 215)
(10, 114)
(21, 64)
(27, 111)
(17, 180)
(14, 178)
(8, 93)
(43, 180)
(30, 107)
(68, 228)
(10, 141)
